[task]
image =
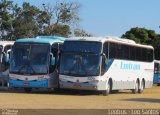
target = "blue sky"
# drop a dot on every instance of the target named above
(113, 17)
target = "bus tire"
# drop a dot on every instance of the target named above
(114, 91)
(27, 90)
(141, 88)
(135, 90)
(108, 90)
(57, 90)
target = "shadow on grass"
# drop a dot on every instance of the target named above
(51, 92)
(150, 100)
(59, 92)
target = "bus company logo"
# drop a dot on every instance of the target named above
(129, 66)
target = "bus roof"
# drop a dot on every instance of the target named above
(4, 43)
(109, 39)
(42, 39)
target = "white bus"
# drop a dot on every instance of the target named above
(106, 64)
(5, 49)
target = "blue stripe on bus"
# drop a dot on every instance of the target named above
(31, 84)
(156, 78)
(110, 61)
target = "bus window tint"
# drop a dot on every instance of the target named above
(126, 52)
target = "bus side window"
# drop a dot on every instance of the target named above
(112, 50)
(132, 53)
(119, 54)
(158, 69)
(104, 58)
(156, 65)
(150, 55)
(104, 64)
(125, 52)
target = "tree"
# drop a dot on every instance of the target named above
(28, 21)
(145, 36)
(57, 30)
(63, 15)
(6, 18)
(81, 33)
(140, 35)
(63, 12)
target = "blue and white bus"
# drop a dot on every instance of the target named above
(34, 63)
(106, 64)
(156, 79)
(5, 50)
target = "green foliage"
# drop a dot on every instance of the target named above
(6, 18)
(29, 21)
(26, 22)
(57, 30)
(140, 35)
(81, 33)
(145, 36)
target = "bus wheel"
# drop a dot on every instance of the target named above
(57, 90)
(135, 90)
(114, 91)
(141, 89)
(27, 90)
(108, 90)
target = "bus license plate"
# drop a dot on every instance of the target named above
(26, 84)
(77, 86)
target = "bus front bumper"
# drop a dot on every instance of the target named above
(28, 84)
(83, 86)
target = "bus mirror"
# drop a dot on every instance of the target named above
(104, 61)
(52, 59)
(104, 56)
(7, 57)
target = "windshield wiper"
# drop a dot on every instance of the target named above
(75, 70)
(32, 68)
(26, 65)
(22, 67)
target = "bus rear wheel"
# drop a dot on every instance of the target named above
(27, 90)
(57, 90)
(141, 88)
(108, 89)
(135, 90)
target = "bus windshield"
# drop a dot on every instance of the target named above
(80, 64)
(81, 46)
(30, 58)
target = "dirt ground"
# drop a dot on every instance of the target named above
(149, 99)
